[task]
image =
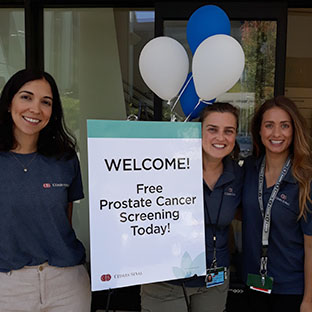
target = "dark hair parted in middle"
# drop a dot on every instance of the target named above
(55, 139)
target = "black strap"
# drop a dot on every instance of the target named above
(187, 302)
(214, 228)
(110, 292)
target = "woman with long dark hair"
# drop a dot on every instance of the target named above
(41, 260)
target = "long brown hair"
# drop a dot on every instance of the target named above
(300, 147)
(220, 107)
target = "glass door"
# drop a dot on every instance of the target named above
(261, 30)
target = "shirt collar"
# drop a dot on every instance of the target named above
(289, 178)
(228, 172)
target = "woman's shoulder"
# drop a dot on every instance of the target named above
(234, 166)
(249, 162)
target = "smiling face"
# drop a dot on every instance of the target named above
(31, 109)
(219, 133)
(276, 131)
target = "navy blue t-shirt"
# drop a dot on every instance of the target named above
(228, 186)
(34, 227)
(286, 242)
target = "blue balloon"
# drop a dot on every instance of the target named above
(189, 99)
(206, 21)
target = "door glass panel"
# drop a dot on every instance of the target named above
(134, 29)
(93, 55)
(12, 43)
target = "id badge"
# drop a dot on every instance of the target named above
(215, 276)
(255, 282)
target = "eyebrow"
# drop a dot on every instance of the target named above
(214, 126)
(28, 92)
(272, 121)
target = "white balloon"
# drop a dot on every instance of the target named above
(218, 63)
(164, 65)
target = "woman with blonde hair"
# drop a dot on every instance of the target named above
(277, 220)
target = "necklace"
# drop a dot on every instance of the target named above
(25, 167)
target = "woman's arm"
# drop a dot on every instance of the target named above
(306, 305)
(70, 212)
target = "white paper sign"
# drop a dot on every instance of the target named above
(146, 202)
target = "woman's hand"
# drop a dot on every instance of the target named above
(306, 306)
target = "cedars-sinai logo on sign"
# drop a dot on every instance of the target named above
(106, 277)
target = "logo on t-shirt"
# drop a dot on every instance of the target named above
(283, 199)
(49, 185)
(229, 192)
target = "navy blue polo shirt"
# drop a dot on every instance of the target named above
(34, 227)
(286, 241)
(227, 194)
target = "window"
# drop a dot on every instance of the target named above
(12, 43)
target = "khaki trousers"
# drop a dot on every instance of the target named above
(45, 288)
(165, 297)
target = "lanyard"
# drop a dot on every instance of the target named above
(214, 229)
(266, 215)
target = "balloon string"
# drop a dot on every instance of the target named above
(187, 118)
(180, 94)
(206, 102)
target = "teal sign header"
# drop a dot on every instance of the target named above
(143, 129)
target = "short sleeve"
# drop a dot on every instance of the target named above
(75, 190)
(306, 224)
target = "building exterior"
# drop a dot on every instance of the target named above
(92, 48)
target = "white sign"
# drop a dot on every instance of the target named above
(146, 202)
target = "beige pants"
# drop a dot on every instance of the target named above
(165, 297)
(45, 288)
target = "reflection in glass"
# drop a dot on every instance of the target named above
(134, 29)
(258, 39)
(81, 52)
(61, 53)
(12, 43)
